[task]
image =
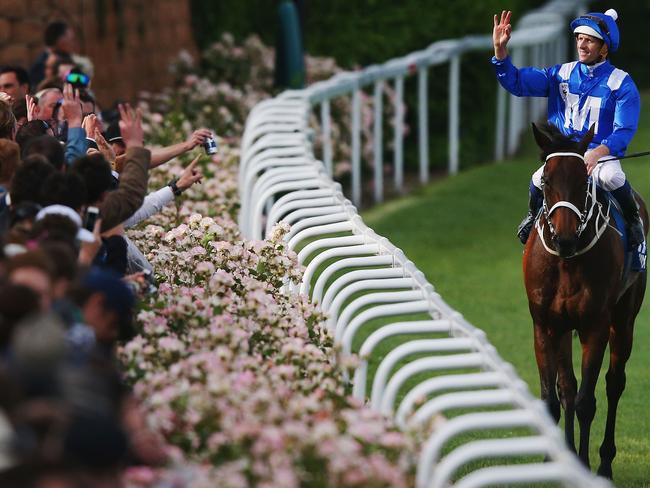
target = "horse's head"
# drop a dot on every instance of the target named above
(564, 185)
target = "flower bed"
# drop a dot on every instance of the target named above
(240, 379)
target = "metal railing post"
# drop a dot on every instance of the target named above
(423, 125)
(356, 146)
(398, 156)
(500, 131)
(326, 124)
(516, 109)
(454, 113)
(377, 141)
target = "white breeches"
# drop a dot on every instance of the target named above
(609, 176)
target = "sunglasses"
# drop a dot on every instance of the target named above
(77, 79)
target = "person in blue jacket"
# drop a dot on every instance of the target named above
(582, 93)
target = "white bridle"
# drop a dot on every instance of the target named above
(591, 202)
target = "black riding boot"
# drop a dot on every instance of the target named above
(534, 204)
(625, 199)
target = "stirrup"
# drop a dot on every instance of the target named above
(526, 226)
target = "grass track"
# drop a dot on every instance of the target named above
(460, 233)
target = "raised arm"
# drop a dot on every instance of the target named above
(163, 154)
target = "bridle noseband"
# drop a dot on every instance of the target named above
(584, 216)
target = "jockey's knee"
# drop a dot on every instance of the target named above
(536, 179)
(610, 177)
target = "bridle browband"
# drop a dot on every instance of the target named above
(584, 216)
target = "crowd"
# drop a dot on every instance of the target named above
(73, 177)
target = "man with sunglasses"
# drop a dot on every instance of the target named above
(582, 93)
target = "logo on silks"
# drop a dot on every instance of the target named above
(576, 116)
(564, 89)
(642, 255)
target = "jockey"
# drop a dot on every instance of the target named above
(580, 94)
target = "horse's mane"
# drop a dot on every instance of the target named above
(559, 142)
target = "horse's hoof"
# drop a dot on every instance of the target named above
(605, 471)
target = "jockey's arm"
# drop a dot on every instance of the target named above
(522, 82)
(626, 118)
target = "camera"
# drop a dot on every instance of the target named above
(210, 146)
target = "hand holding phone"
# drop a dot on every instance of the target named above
(92, 213)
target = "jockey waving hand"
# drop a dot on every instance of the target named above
(586, 92)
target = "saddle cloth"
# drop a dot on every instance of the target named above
(635, 259)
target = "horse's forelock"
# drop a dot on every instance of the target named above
(558, 141)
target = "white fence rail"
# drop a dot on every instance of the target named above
(540, 39)
(357, 277)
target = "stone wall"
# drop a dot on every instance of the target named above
(129, 41)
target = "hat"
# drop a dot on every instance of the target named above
(82, 234)
(113, 133)
(600, 26)
(118, 297)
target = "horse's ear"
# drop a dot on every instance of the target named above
(543, 141)
(586, 140)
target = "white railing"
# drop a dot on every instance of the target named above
(281, 180)
(540, 39)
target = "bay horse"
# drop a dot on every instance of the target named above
(573, 272)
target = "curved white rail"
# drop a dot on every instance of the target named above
(359, 276)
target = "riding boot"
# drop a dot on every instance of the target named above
(535, 198)
(625, 198)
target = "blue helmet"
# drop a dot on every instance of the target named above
(601, 26)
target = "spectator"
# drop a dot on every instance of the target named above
(9, 161)
(17, 302)
(47, 146)
(59, 40)
(47, 100)
(28, 180)
(33, 270)
(66, 189)
(14, 81)
(32, 130)
(7, 121)
(107, 304)
(117, 206)
(114, 138)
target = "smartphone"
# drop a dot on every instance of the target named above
(91, 217)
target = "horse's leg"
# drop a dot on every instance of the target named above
(546, 346)
(593, 343)
(620, 347)
(567, 387)
(620, 344)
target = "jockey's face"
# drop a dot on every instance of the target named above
(588, 48)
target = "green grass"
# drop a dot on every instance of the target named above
(460, 233)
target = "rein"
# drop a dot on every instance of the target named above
(629, 156)
(584, 217)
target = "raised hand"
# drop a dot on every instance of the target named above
(71, 106)
(189, 176)
(90, 124)
(6, 98)
(104, 147)
(198, 137)
(501, 34)
(32, 108)
(131, 126)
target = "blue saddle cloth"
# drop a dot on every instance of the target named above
(635, 259)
